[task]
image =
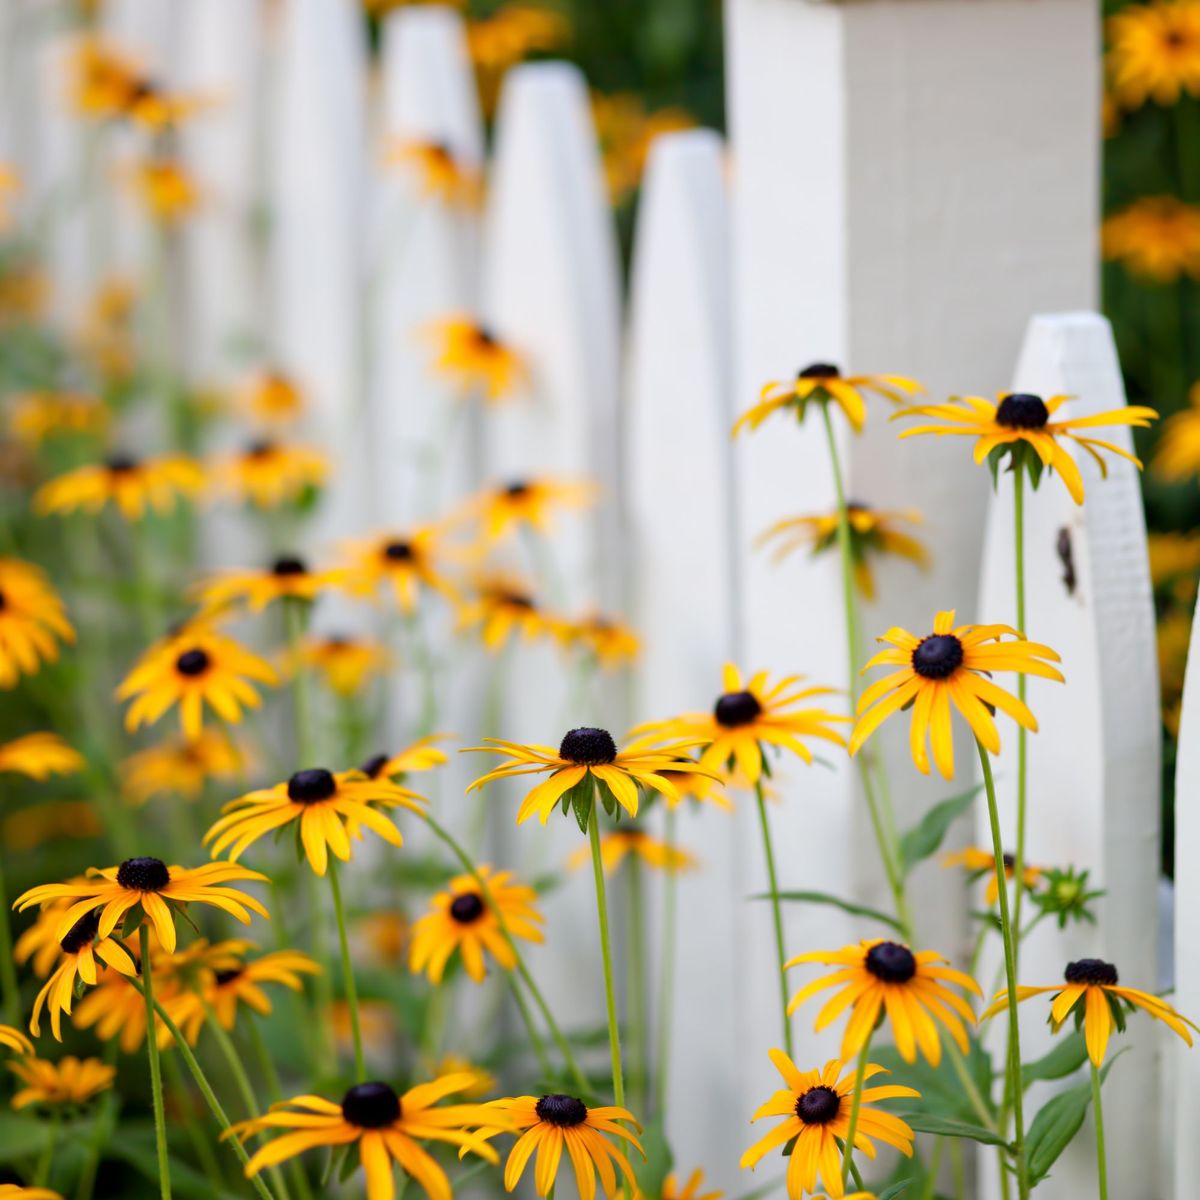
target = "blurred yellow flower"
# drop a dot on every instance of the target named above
(33, 620)
(503, 606)
(40, 755)
(101, 79)
(1174, 632)
(438, 172)
(512, 33)
(273, 398)
(422, 755)
(24, 292)
(10, 185)
(472, 358)
(268, 474)
(1157, 237)
(386, 934)
(33, 417)
(1177, 456)
(626, 132)
(1154, 52)
(484, 1084)
(611, 642)
(106, 335)
(133, 485)
(616, 846)
(68, 1081)
(344, 663)
(166, 189)
(29, 828)
(1175, 562)
(287, 578)
(976, 862)
(182, 766)
(406, 561)
(525, 503)
(674, 1189)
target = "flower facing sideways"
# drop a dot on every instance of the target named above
(33, 620)
(408, 563)
(343, 663)
(268, 474)
(978, 862)
(816, 1107)
(616, 846)
(70, 1081)
(526, 502)
(14, 1040)
(423, 755)
(134, 486)
(287, 578)
(181, 766)
(40, 755)
(439, 172)
(675, 1189)
(1178, 454)
(472, 358)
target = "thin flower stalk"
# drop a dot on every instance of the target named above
(8, 969)
(1101, 1154)
(348, 981)
(1022, 733)
(855, 1106)
(270, 1076)
(610, 996)
(156, 1087)
(776, 911)
(666, 998)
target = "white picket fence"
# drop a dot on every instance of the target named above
(908, 183)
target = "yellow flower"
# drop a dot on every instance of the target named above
(1175, 560)
(132, 485)
(287, 578)
(825, 384)
(387, 935)
(81, 946)
(439, 173)
(749, 715)
(503, 605)
(38, 944)
(529, 503)
(345, 663)
(485, 1081)
(626, 132)
(474, 359)
(106, 337)
(950, 667)
(589, 757)
(34, 417)
(69, 1081)
(182, 766)
(155, 887)
(25, 291)
(673, 1189)
(1174, 635)
(116, 1008)
(101, 79)
(816, 1107)
(148, 105)
(40, 755)
(193, 668)
(14, 1191)
(556, 1122)
(327, 809)
(879, 978)
(1095, 983)
(166, 190)
(422, 755)
(462, 920)
(1154, 52)
(274, 399)
(405, 561)
(1178, 453)
(1020, 419)
(1157, 237)
(14, 1040)
(32, 617)
(617, 845)
(10, 183)
(512, 32)
(269, 474)
(611, 642)
(978, 861)
(33, 826)
(874, 533)
(386, 1127)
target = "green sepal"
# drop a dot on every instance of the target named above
(609, 800)
(182, 909)
(789, 1146)
(581, 799)
(1068, 1055)
(347, 1168)
(897, 1189)
(133, 920)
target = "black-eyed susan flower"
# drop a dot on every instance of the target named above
(1157, 237)
(626, 129)
(81, 946)
(554, 1123)
(194, 668)
(387, 1127)
(274, 399)
(503, 606)
(513, 32)
(1177, 456)
(1154, 52)
(461, 920)
(106, 338)
(1020, 419)
(33, 620)
(36, 824)
(166, 189)
(675, 1188)
(423, 755)
(588, 756)
(153, 886)
(268, 474)
(749, 715)
(345, 663)
(617, 846)
(386, 935)
(115, 1009)
(439, 172)
(484, 1081)
(881, 978)
(289, 577)
(155, 109)
(36, 417)
(816, 1107)
(70, 1081)
(38, 944)
(704, 789)
(134, 486)
(950, 667)
(825, 384)
(608, 640)
(101, 78)
(977, 862)
(1093, 993)
(182, 766)
(407, 562)
(40, 755)
(231, 979)
(474, 359)
(532, 503)
(874, 533)
(13, 1039)
(15, 1191)
(327, 808)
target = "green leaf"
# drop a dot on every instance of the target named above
(137, 1148)
(857, 910)
(897, 1189)
(652, 1173)
(928, 834)
(1056, 1124)
(1068, 1055)
(927, 1122)
(941, 1089)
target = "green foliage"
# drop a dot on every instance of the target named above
(1068, 1055)
(856, 910)
(926, 837)
(1056, 1124)
(926, 1122)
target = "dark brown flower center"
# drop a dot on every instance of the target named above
(737, 708)
(588, 747)
(563, 1111)
(1022, 410)
(517, 490)
(224, 977)
(485, 337)
(818, 1106)
(82, 933)
(399, 551)
(891, 962)
(120, 464)
(514, 600)
(819, 371)
(371, 1105)
(374, 765)
(289, 565)
(260, 449)
(312, 785)
(467, 908)
(193, 662)
(143, 874)
(1092, 971)
(1010, 862)
(938, 656)
(3, 601)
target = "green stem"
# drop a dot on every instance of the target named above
(156, 1087)
(776, 912)
(101, 1130)
(348, 983)
(485, 890)
(1016, 1089)
(210, 1097)
(973, 1094)
(610, 996)
(294, 622)
(323, 981)
(1022, 735)
(959, 1167)
(8, 968)
(636, 985)
(667, 973)
(423, 657)
(535, 1038)
(935, 1165)
(855, 1106)
(270, 1076)
(46, 1160)
(201, 1147)
(1101, 1155)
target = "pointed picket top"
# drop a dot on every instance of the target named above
(317, 196)
(1094, 762)
(680, 537)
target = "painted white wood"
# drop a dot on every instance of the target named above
(550, 287)
(680, 535)
(1094, 764)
